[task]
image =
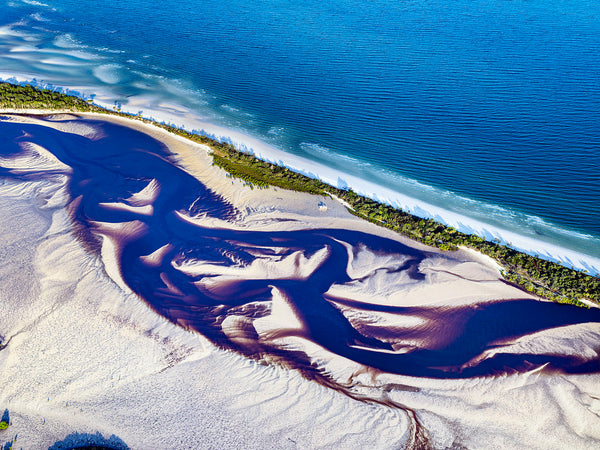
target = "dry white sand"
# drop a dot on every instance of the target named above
(85, 355)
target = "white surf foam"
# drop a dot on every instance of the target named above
(161, 100)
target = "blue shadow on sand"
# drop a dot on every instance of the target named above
(453, 342)
(89, 441)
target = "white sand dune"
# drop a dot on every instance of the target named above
(84, 354)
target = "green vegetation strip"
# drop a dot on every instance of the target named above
(13, 96)
(543, 278)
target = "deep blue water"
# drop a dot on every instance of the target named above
(495, 104)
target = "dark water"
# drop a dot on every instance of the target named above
(494, 104)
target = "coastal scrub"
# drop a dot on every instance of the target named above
(544, 278)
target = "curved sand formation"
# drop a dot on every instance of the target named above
(116, 215)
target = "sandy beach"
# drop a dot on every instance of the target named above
(406, 346)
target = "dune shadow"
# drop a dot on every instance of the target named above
(220, 280)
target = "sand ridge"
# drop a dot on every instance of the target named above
(87, 355)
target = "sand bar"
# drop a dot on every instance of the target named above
(84, 353)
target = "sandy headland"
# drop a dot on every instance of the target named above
(150, 300)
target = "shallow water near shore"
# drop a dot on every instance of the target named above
(487, 110)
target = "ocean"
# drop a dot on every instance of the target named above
(482, 114)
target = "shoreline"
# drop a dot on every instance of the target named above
(568, 259)
(141, 368)
(185, 119)
(380, 194)
(246, 144)
(525, 239)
